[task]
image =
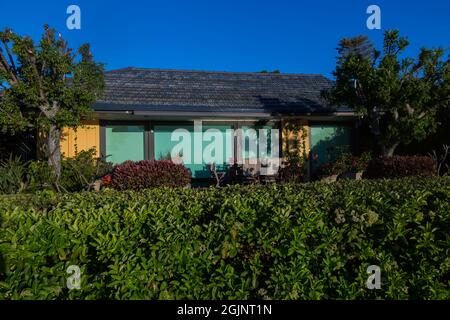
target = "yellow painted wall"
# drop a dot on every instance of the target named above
(295, 140)
(83, 138)
(294, 135)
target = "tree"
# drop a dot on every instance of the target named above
(357, 45)
(274, 71)
(46, 87)
(398, 96)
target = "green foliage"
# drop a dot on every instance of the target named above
(274, 71)
(310, 241)
(45, 87)
(401, 166)
(292, 172)
(12, 174)
(294, 166)
(131, 175)
(78, 173)
(399, 97)
(346, 163)
(45, 83)
(342, 161)
(39, 176)
(360, 45)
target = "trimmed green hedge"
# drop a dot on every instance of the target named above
(311, 241)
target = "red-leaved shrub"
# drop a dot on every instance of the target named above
(149, 173)
(401, 166)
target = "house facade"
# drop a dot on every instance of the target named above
(142, 108)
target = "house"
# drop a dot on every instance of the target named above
(141, 108)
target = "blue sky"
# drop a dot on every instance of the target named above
(232, 35)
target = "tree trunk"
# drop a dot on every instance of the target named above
(388, 150)
(54, 150)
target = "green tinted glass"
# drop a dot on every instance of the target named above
(125, 142)
(221, 152)
(250, 141)
(180, 140)
(327, 141)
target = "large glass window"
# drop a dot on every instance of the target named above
(217, 147)
(195, 152)
(177, 141)
(125, 142)
(216, 143)
(250, 142)
(327, 141)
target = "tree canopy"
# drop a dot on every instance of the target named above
(46, 86)
(399, 96)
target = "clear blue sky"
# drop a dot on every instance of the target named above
(228, 35)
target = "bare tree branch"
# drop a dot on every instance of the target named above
(12, 66)
(5, 66)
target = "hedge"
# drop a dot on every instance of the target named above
(401, 166)
(131, 175)
(310, 241)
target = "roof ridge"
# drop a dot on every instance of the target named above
(212, 72)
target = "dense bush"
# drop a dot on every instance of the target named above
(80, 172)
(40, 176)
(12, 175)
(148, 174)
(291, 172)
(293, 169)
(401, 166)
(77, 173)
(311, 241)
(345, 163)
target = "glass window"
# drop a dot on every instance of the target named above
(221, 152)
(327, 141)
(179, 140)
(125, 142)
(164, 143)
(250, 141)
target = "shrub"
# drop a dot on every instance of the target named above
(293, 169)
(12, 174)
(291, 172)
(148, 174)
(359, 163)
(345, 163)
(309, 241)
(77, 173)
(401, 166)
(80, 172)
(326, 169)
(39, 176)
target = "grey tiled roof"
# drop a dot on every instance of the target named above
(183, 90)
